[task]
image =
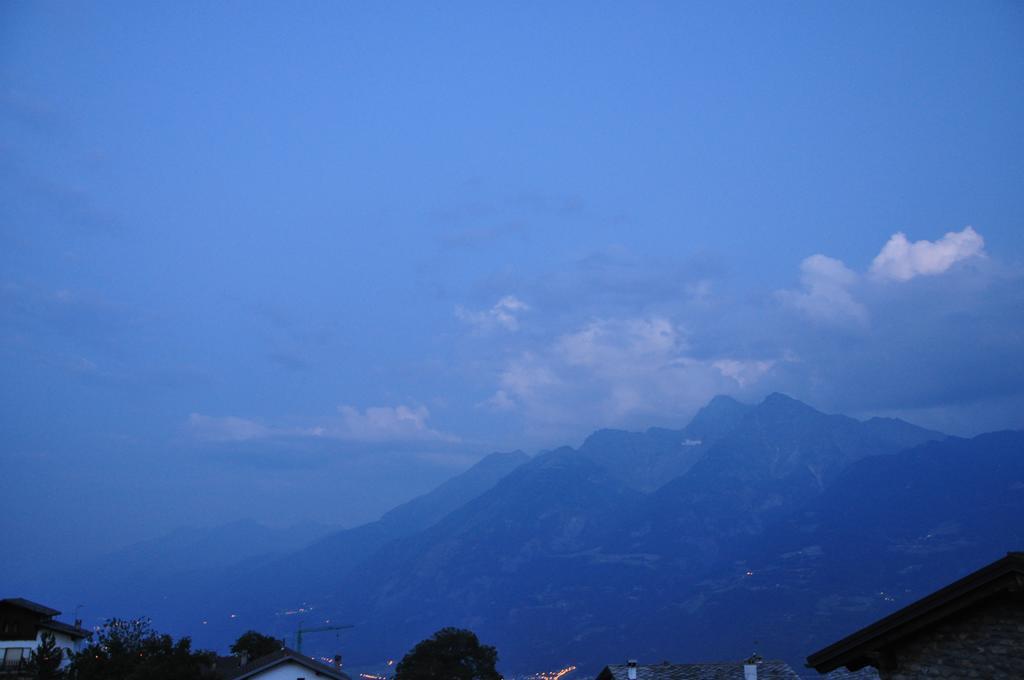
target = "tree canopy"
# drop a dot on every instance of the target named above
(132, 650)
(449, 654)
(254, 644)
(44, 662)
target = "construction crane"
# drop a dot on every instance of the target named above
(300, 631)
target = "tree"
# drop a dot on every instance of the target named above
(253, 645)
(132, 650)
(449, 654)
(44, 662)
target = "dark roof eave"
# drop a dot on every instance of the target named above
(767, 668)
(284, 655)
(67, 629)
(863, 647)
(30, 606)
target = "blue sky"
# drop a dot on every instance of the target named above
(303, 262)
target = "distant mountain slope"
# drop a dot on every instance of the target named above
(777, 455)
(196, 577)
(555, 558)
(202, 548)
(136, 579)
(288, 582)
(324, 561)
(515, 556)
(717, 419)
(647, 460)
(889, 530)
(772, 522)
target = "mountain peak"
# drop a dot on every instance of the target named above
(507, 459)
(721, 404)
(606, 437)
(720, 415)
(777, 401)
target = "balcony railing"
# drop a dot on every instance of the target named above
(12, 667)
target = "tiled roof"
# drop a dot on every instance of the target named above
(856, 650)
(729, 670)
(66, 628)
(866, 673)
(252, 669)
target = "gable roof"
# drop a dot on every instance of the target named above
(31, 606)
(728, 670)
(286, 655)
(65, 628)
(866, 673)
(865, 646)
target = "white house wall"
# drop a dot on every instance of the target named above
(8, 644)
(65, 642)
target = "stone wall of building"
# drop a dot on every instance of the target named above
(986, 641)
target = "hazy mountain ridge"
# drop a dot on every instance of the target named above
(891, 529)
(490, 547)
(198, 548)
(192, 575)
(777, 455)
(647, 460)
(594, 554)
(570, 542)
(334, 555)
(140, 578)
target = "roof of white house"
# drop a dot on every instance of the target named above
(30, 606)
(724, 670)
(44, 617)
(283, 656)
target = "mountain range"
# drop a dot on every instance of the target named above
(772, 526)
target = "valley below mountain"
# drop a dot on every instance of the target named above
(772, 527)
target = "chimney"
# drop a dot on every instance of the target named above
(78, 624)
(751, 667)
(337, 661)
(631, 665)
(243, 658)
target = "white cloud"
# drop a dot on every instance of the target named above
(592, 359)
(385, 423)
(827, 284)
(700, 291)
(374, 424)
(499, 401)
(744, 372)
(226, 428)
(605, 345)
(826, 291)
(522, 378)
(616, 372)
(503, 314)
(901, 260)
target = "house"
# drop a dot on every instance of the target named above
(754, 668)
(22, 625)
(971, 628)
(284, 664)
(866, 673)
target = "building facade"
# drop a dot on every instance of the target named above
(284, 664)
(973, 628)
(22, 626)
